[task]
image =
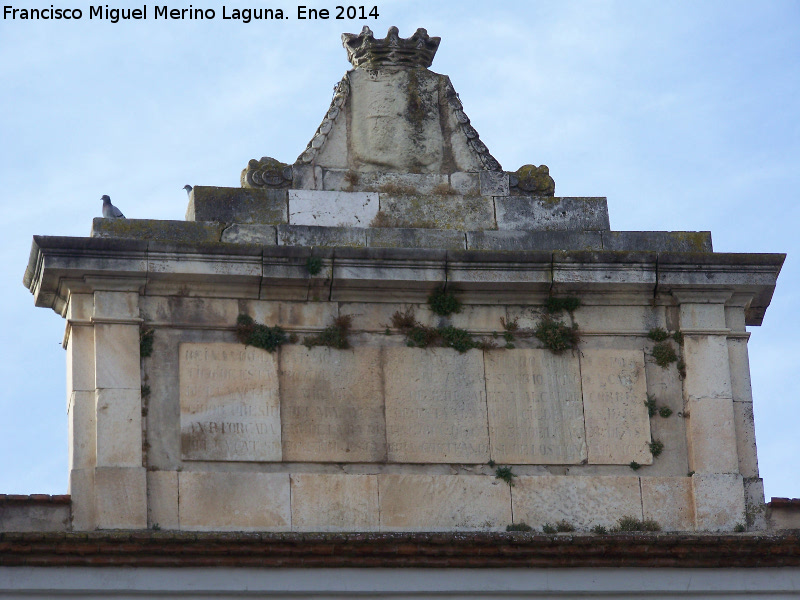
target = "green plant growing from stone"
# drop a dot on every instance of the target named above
(444, 303)
(664, 355)
(156, 527)
(628, 523)
(740, 528)
(522, 526)
(556, 336)
(549, 528)
(634, 465)
(678, 337)
(555, 305)
(446, 336)
(334, 335)
(564, 527)
(146, 342)
(145, 391)
(681, 366)
(505, 474)
(510, 327)
(600, 530)
(651, 405)
(314, 265)
(250, 333)
(658, 334)
(656, 448)
(665, 412)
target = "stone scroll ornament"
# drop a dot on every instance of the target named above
(533, 180)
(266, 173)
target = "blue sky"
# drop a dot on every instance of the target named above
(684, 114)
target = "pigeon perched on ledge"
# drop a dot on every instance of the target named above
(109, 210)
(188, 189)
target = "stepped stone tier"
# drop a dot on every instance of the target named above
(394, 334)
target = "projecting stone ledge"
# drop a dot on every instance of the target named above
(400, 237)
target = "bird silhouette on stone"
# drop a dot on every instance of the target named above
(109, 210)
(188, 189)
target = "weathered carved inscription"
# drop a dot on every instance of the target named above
(229, 403)
(615, 390)
(332, 408)
(435, 406)
(535, 407)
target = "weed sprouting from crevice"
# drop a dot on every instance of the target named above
(334, 335)
(634, 465)
(656, 448)
(557, 336)
(314, 265)
(658, 334)
(628, 523)
(650, 403)
(505, 474)
(254, 334)
(665, 412)
(556, 305)
(522, 526)
(146, 342)
(444, 303)
(664, 355)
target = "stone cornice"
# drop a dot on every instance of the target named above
(389, 550)
(59, 266)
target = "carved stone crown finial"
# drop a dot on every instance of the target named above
(364, 51)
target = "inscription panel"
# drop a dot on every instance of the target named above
(435, 406)
(229, 403)
(332, 405)
(535, 407)
(614, 393)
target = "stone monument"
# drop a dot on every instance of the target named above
(393, 333)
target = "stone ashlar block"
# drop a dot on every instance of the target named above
(230, 409)
(264, 235)
(708, 372)
(322, 502)
(462, 213)
(292, 315)
(535, 407)
(399, 237)
(532, 213)
(718, 502)
(80, 359)
(494, 183)
(401, 183)
(435, 406)
(153, 229)
(606, 271)
(332, 209)
(695, 317)
(231, 501)
(119, 427)
(377, 316)
(583, 502)
(443, 503)
(745, 438)
(189, 311)
(534, 240)
(117, 356)
(614, 391)
(658, 241)
(668, 501)
(116, 305)
(712, 436)
(238, 205)
(337, 414)
(82, 494)
(755, 509)
(162, 499)
(312, 235)
(121, 497)
(741, 387)
(82, 430)
(34, 517)
(467, 184)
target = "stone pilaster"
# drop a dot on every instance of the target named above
(119, 478)
(79, 344)
(710, 429)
